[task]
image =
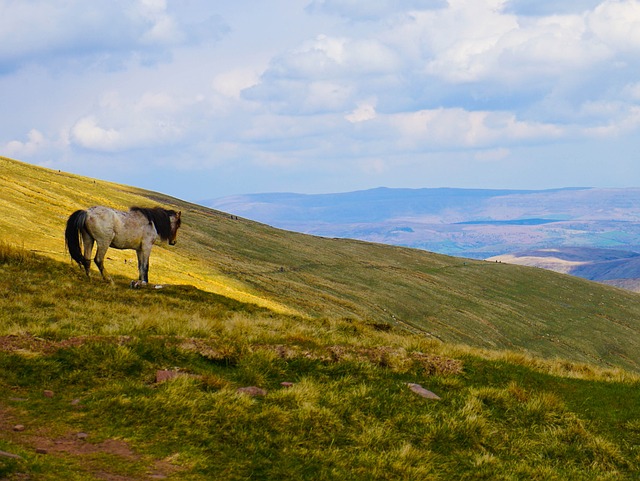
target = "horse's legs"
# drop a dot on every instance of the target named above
(87, 242)
(99, 260)
(143, 265)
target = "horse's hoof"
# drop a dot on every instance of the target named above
(137, 284)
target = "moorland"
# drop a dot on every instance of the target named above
(537, 372)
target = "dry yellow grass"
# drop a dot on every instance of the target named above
(35, 203)
(460, 301)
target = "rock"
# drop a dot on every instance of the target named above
(75, 402)
(252, 391)
(48, 393)
(82, 435)
(418, 389)
(166, 375)
(5, 454)
(19, 428)
(41, 451)
(286, 384)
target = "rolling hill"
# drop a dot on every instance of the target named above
(483, 304)
(298, 357)
(102, 382)
(476, 223)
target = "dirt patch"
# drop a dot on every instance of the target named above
(26, 343)
(79, 445)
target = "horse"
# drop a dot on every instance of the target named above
(136, 229)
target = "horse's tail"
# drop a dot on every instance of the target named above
(75, 223)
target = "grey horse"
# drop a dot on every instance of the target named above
(135, 229)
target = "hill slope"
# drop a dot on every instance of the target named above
(484, 304)
(101, 383)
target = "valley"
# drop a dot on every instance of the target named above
(472, 223)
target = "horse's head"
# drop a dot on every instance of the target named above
(175, 225)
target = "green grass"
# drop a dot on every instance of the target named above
(348, 415)
(530, 365)
(482, 304)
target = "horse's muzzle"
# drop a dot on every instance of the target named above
(172, 243)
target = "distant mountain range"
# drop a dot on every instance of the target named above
(473, 223)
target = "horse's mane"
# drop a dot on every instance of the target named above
(160, 217)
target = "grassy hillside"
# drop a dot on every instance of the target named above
(82, 395)
(479, 303)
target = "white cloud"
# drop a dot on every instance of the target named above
(232, 83)
(43, 31)
(330, 57)
(35, 143)
(88, 134)
(316, 86)
(154, 119)
(456, 128)
(616, 23)
(364, 111)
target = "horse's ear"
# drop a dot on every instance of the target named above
(178, 214)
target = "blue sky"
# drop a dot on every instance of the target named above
(202, 99)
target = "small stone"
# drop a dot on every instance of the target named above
(82, 435)
(418, 389)
(75, 402)
(165, 375)
(252, 391)
(286, 384)
(19, 428)
(41, 451)
(48, 393)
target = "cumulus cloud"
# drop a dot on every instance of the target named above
(231, 83)
(34, 143)
(87, 133)
(323, 84)
(154, 119)
(457, 128)
(617, 25)
(364, 111)
(44, 31)
(470, 55)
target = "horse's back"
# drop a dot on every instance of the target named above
(103, 223)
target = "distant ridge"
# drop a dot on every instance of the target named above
(610, 266)
(364, 206)
(475, 223)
